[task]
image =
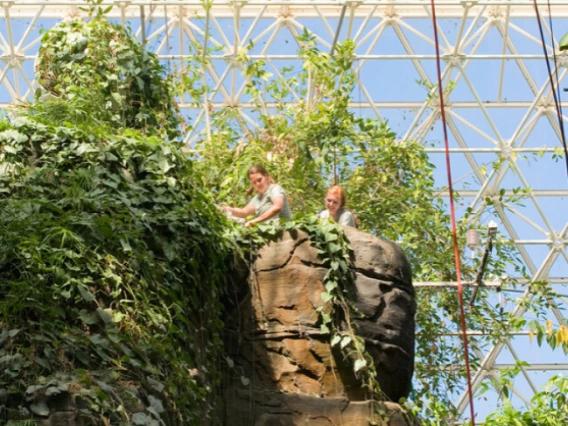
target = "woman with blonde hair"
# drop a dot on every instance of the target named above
(335, 207)
(270, 202)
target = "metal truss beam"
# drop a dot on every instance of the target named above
(300, 8)
(532, 367)
(487, 284)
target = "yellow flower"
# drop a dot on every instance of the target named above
(563, 334)
(548, 326)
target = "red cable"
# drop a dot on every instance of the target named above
(554, 90)
(453, 216)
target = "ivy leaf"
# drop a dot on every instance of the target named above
(142, 419)
(329, 237)
(105, 314)
(334, 248)
(43, 362)
(85, 293)
(54, 390)
(359, 365)
(40, 409)
(88, 318)
(117, 97)
(32, 389)
(156, 385)
(156, 405)
(104, 386)
(330, 286)
(125, 245)
(165, 165)
(10, 149)
(117, 316)
(171, 181)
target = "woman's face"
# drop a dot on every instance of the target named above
(259, 182)
(332, 203)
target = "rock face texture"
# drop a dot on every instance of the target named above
(282, 369)
(385, 297)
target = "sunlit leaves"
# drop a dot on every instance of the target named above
(109, 243)
(106, 76)
(548, 406)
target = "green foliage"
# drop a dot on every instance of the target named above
(100, 63)
(112, 255)
(95, 9)
(105, 218)
(549, 407)
(115, 232)
(319, 141)
(314, 140)
(335, 252)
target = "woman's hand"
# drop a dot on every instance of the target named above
(250, 223)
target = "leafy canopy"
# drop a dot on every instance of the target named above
(103, 62)
(112, 255)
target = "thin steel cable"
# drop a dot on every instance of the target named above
(167, 36)
(554, 93)
(453, 215)
(554, 57)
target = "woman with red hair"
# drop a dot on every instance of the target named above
(335, 205)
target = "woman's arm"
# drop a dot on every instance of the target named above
(277, 205)
(244, 212)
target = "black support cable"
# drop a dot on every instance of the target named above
(554, 93)
(554, 58)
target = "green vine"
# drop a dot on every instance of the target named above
(336, 254)
(101, 62)
(113, 256)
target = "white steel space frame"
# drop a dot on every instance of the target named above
(365, 22)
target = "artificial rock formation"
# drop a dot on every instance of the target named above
(282, 369)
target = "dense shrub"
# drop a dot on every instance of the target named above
(102, 62)
(112, 257)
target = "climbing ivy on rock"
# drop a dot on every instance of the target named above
(335, 252)
(112, 255)
(101, 60)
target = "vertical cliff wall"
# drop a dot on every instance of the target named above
(282, 368)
